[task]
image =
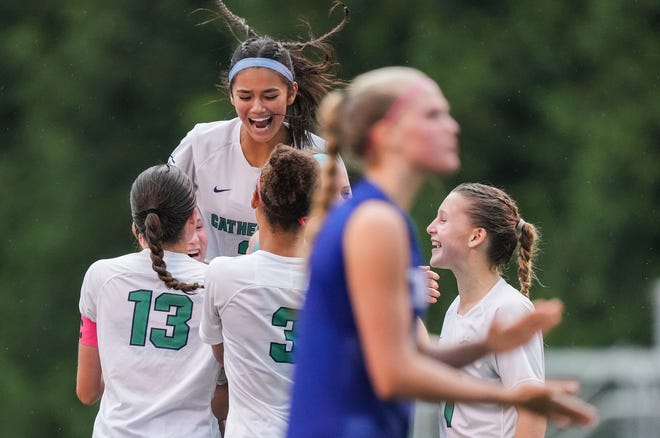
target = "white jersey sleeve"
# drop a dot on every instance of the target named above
(90, 289)
(215, 299)
(183, 156)
(524, 364)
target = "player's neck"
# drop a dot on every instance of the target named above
(397, 181)
(286, 244)
(257, 153)
(181, 247)
(473, 286)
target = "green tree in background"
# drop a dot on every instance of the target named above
(92, 93)
(558, 104)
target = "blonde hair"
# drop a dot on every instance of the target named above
(345, 119)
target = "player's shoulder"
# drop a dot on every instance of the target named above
(185, 266)
(375, 215)
(121, 262)
(228, 276)
(105, 269)
(318, 143)
(223, 266)
(362, 214)
(217, 127)
(213, 136)
(509, 299)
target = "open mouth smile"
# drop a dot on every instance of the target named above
(261, 123)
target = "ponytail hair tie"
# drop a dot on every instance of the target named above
(302, 220)
(521, 224)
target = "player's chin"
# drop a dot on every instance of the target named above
(449, 165)
(437, 261)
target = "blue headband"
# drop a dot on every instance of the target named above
(261, 62)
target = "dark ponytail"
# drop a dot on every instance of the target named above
(162, 200)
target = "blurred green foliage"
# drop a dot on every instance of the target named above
(558, 104)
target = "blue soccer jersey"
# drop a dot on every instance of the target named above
(332, 394)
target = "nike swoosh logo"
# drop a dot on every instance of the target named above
(217, 190)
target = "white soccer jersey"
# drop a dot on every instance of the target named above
(524, 364)
(250, 307)
(211, 155)
(159, 376)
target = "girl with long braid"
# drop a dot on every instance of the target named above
(139, 349)
(359, 361)
(476, 232)
(275, 88)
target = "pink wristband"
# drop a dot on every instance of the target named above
(88, 332)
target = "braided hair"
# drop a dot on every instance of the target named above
(162, 200)
(493, 210)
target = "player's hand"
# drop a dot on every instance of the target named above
(566, 386)
(546, 315)
(432, 284)
(556, 401)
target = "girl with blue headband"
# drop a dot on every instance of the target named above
(275, 90)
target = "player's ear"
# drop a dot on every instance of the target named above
(477, 237)
(255, 199)
(292, 95)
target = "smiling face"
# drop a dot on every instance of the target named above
(198, 243)
(261, 97)
(450, 232)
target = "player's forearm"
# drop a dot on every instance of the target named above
(89, 394)
(530, 425)
(89, 378)
(457, 356)
(432, 381)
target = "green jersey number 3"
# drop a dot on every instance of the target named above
(178, 321)
(283, 352)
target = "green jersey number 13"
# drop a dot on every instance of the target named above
(177, 321)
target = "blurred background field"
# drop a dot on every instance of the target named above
(559, 104)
